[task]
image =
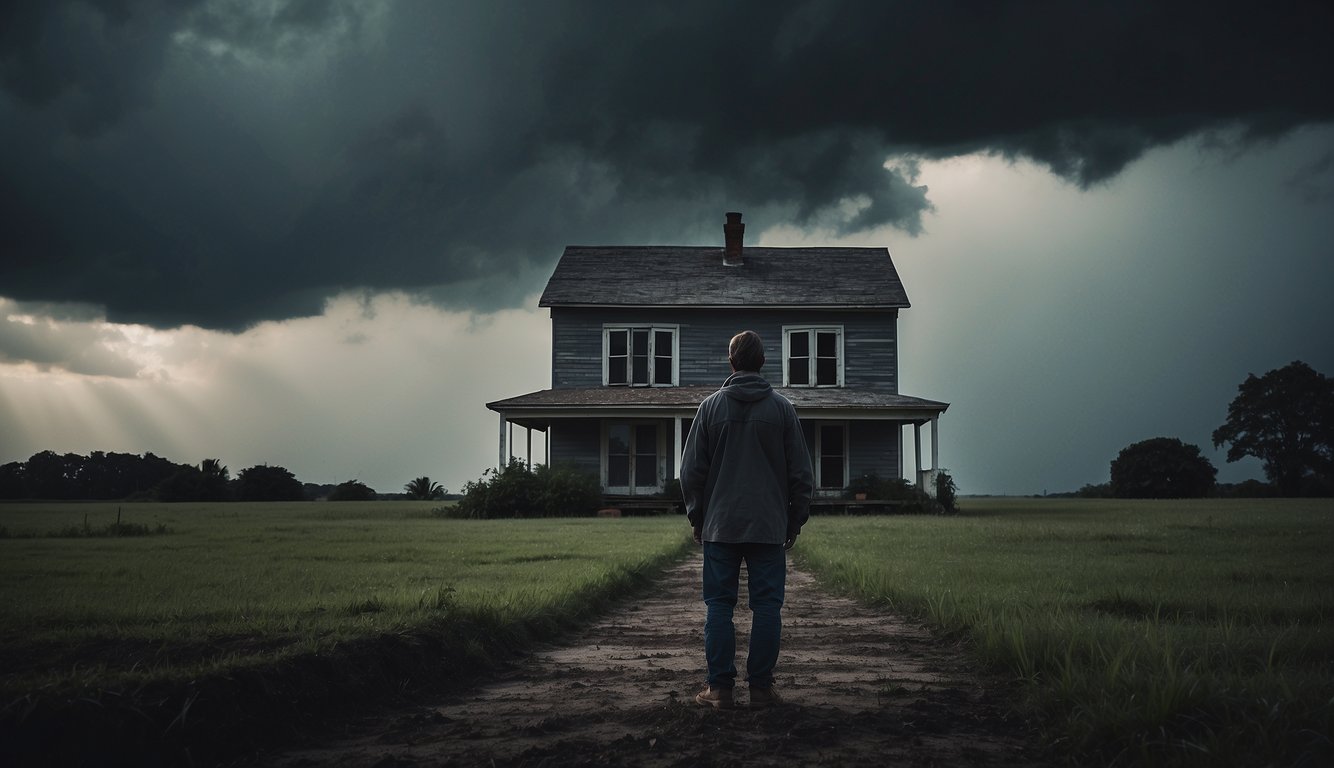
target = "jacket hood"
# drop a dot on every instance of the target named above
(747, 387)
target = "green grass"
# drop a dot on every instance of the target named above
(233, 585)
(1162, 633)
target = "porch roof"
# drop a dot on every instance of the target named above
(536, 409)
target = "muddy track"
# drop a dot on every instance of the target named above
(863, 687)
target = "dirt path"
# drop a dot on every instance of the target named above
(863, 688)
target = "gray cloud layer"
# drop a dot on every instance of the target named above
(221, 163)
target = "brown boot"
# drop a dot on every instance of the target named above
(764, 697)
(718, 698)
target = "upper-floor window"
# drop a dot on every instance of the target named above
(639, 355)
(813, 356)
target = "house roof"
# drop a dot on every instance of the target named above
(611, 400)
(855, 278)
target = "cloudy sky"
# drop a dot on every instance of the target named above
(313, 233)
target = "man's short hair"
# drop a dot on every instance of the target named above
(746, 352)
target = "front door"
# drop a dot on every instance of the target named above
(633, 464)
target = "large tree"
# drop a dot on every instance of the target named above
(1285, 419)
(1161, 468)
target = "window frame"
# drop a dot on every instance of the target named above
(660, 457)
(812, 360)
(653, 329)
(816, 459)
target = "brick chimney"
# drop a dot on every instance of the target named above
(732, 232)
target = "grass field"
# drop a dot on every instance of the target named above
(231, 585)
(1160, 633)
(1176, 632)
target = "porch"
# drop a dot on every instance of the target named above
(631, 438)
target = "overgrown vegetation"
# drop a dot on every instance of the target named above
(1142, 633)
(518, 491)
(257, 617)
(905, 497)
(946, 492)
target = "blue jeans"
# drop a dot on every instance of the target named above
(766, 573)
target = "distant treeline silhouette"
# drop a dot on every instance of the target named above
(126, 476)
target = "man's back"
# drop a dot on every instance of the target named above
(745, 469)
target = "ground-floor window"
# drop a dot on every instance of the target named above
(633, 457)
(831, 455)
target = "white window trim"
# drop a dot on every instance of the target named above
(675, 330)
(788, 330)
(660, 448)
(819, 451)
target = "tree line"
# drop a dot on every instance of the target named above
(1284, 418)
(132, 477)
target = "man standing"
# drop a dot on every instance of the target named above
(746, 479)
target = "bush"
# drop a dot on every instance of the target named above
(1095, 491)
(672, 490)
(876, 487)
(1162, 468)
(945, 492)
(517, 491)
(264, 483)
(567, 492)
(352, 490)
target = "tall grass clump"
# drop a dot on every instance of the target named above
(1186, 633)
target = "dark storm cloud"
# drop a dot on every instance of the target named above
(219, 163)
(91, 62)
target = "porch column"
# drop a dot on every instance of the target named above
(935, 443)
(917, 451)
(502, 463)
(530, 445)
(676, 430)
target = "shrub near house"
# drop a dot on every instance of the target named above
(517, 491)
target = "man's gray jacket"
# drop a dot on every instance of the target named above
(745, 471)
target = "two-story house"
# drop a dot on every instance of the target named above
(639, 337)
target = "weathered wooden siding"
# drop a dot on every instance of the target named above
(873, 446)
(576, 349)
(870, 342)
(577, 443)
(870, 360)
